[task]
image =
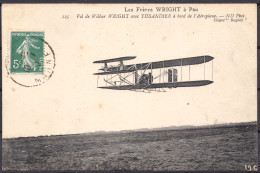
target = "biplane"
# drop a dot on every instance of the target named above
(142, 76)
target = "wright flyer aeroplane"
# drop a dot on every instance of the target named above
(154, 76)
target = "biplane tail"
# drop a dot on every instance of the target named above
(112, 68)
(116, 59)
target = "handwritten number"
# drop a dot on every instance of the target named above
(251, 168)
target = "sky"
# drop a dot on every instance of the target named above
(70, 102)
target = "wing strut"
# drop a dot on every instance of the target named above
(97, 79)
(160, 75)
(163, 71)
(204, 67)
(212, 70)
(104, 79)
(151, 73)
(181, 69)
(189, 72)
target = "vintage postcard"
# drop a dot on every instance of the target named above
(129, 87)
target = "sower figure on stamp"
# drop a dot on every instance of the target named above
(24, 49)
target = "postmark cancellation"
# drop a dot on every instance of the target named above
(32, 59)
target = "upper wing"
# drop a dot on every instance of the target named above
(180, 62)
(160, 64)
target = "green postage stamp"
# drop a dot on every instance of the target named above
(32, 59)
(27, 52)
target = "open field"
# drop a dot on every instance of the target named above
(215, 148)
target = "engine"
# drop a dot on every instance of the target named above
(145, 79)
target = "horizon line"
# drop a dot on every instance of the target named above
(173, 127)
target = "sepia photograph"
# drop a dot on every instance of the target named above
(129, 87)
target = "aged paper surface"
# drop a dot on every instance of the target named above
(65, 99)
